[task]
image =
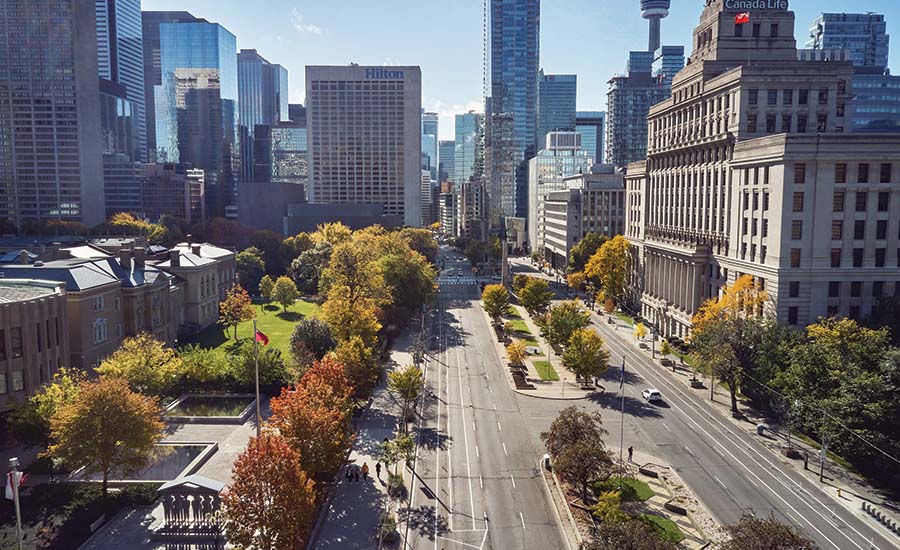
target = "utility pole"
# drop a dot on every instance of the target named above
(622, 431)
(256, 373)
(14, 479)
(823, 456)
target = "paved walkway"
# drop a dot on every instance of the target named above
(351, 519)
(854, 489)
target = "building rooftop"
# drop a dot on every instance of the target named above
(81, 274)
(206, 250)
(20, 290)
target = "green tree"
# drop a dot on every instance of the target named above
(235, 309)
(351, 266)
(570, 426)
(626, 535)
(422, 241)
(145, 363)
(536, 295)
(407, 383)
(563, 320)
(266, 288)
(250, 268)
(202, 368)
(106, 428)
(30, 423)
(610, 265)
(585, 355)
(347, 318)
(582, 463)
(583, 250)
(298, 244)
(664, 348)
(496, 300)
(410, 278)
(475, 252)
(608, 508)
(275, 252)
(754, 533)
(519, 281)
(285, 292)
(306, 270)
(311, 335)
(360, 364)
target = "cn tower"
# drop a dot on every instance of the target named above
(654, 11)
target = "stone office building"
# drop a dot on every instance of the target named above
(751, 170)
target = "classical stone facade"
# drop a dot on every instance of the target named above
(750, 170)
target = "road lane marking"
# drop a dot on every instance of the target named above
(476, 452)
(521, 517)
(495, 406)
(511, 478)
(720, 482)
(499, 428)
(688, 449)
(666, 427)
(481, 481)
(473, 425)
(504, 449)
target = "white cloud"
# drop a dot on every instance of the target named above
(447, 114)
(297, 22)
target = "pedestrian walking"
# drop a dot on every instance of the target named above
(349, 474)
(378, 469)
(356, 474)
(365, 471)
(630, 453)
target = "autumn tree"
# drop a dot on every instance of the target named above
(235, 308)
(576, 280)
(516, 352)
(573, 425)
(250, 267)
(608, 508)
(584, 250)
(626, 535)
(298, 244)
(575, 442)
(536, 295)
(285, 292)
(585, 355)
(145, 363)
(348, 318)
(360, 365)
(332, 233)
(422, 241)
(266, 288)
(314, 418)
(563, 320)
(271, 502)
(351, 266)
(519, 281)
(640, 331)
(407, 384)
(240, 367)
(755, 533)
(30, 423)
(610, 265)
(665, 348)
(496, 300)
(107, 428)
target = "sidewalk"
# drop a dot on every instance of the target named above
(854, 489)
(351, 519)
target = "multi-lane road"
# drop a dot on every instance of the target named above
(477, 481)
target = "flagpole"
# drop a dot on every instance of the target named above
(256, 353)
(622, 431)
(14, 474)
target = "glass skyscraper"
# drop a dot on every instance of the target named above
(430, 143)
(197, 106)
(513, 62)
(591, 125)
(120, 54)
(556, 103)
(263, 100)
(51, 165)
(469, 126)
(446, 160)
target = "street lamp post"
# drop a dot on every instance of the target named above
(14, 474)
(256, 375)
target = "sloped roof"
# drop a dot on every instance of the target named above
(83, 274)
(193, 481)
(206, 250)
(187, 260)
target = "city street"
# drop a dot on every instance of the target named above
(477, 479)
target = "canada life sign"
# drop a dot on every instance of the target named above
(756, 4)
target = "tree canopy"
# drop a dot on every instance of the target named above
(535, 296)
(496, 300)
(583, 250)
(250, 268)
(610, 265)
(563, 320)
(145, 363)
(235, 308)
(586, 355)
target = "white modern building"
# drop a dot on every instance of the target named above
(751, 170)
(364, 141)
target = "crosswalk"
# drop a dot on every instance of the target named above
(456, 281)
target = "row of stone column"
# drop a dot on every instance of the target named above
(676, 280)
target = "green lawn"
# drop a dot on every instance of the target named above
(666, 529)
(625, 317)
(270, 320)
(519, 325)
(633, 490)
(546, 370)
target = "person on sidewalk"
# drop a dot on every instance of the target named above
(630, 453)
(378, 469)
(356, 474)
(365, 471)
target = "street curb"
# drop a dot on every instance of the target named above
(549, 398)
(569, 516)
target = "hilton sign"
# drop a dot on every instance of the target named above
(373, 73)
(756, 4)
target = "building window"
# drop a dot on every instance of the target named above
(739, 32)
(770, 123)
(116, 302)
(787, 97)
(862, 176)
(772, 97)
(2, 345)
(821, 123)
(856, 289)
(879, 257)
(763, 252)
(885, 173)
(798, 202)
(858, 257)
(3, 388)
(793, 313)
(881, 229)
(861, 198)
(773, 29)
(16, 345)
(751, 123)
(755, 200)
(786, 123)
(799, 172)
(884, 200)
(803, 97)
(840, 173)
(756, 30)
(796, 229)
(840, 109)
(837, 230)
(753, 97)
(853, 313)
(834, 289)
(837, 202)
(859, 230)
(100, 333)
(835, 257)
(18, 380)
(823, 96)
(37, 336)
(794, 289)
(765, 200)
(765, 228)
(98, 303)
(877, 289)
(795, 257)
(801, 124)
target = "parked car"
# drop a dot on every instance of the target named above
(651, 395)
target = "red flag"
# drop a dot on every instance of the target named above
(260, 337)
(741, 18)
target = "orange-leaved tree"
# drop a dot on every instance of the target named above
(271, 501)
(235, 308)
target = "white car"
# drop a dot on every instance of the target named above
(651, 395)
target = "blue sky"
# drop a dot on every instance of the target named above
(590, 38)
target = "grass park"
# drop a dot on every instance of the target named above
(546, 371)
